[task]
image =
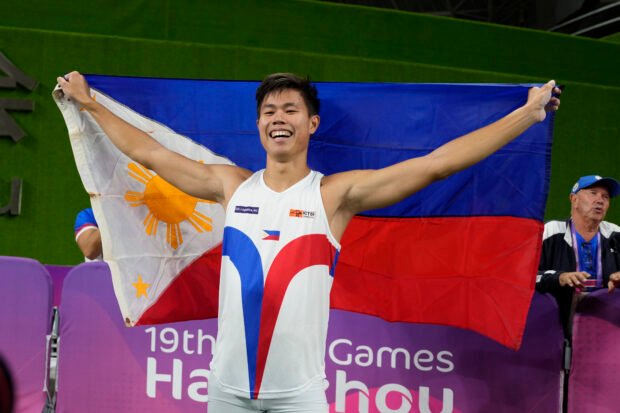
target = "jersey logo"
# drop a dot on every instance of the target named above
(300, 213)
(239, 209)
(261, 300)
(271, 235)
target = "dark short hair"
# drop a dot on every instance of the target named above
(278, 82)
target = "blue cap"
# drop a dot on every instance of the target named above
(591, 180)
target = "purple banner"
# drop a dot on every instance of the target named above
(371, 365)
(58, 274)
(25, 308)
(400, 367)
(104, 366)
(595, 375)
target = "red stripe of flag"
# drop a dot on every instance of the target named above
(474, 272)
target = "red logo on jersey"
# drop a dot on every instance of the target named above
(300, 213)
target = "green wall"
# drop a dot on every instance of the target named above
(613, 38)
(249, 39)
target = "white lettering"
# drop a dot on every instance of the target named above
(423, 356)
(448, 364)
(332, 355)
(198, 390)
(380, 400)
(153, 332)
(394, 353)
(187, 336)
(341, 353)
(423, 402)
(364, 352)
(382, 394)
(342, 387)
(201, 337)
(152, 377)
(170, 338)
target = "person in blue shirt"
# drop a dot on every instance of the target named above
(583, 253)
(87, 235)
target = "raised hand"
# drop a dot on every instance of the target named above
(544, 99)
(75, 87)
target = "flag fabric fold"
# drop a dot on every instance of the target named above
(462, 252)
(162, 245)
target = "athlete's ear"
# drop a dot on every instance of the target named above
(314, 123)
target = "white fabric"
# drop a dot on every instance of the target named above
(111, 180)
(313, 400)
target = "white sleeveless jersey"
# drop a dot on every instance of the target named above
(277, 266)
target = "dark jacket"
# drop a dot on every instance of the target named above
(558, 257)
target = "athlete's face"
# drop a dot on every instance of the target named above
(591, 203)
(285, 125)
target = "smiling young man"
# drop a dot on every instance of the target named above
(583, 253)
(282, 232)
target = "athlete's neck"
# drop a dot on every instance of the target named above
(279, 176)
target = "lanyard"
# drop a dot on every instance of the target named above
(599, 265)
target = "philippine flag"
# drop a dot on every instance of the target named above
(462, 252)
(272, 235)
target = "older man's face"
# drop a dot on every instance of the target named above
(591, 203)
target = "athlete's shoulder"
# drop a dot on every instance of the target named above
(342, 180)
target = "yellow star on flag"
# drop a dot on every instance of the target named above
(141, 287)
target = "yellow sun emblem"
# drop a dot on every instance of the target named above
(165, 203)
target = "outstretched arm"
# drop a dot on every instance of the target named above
(348, 193)
(212, 182)
(370, 189)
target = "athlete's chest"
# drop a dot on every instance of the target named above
(264, 216)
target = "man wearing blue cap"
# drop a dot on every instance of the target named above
(583, 253)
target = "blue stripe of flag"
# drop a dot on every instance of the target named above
(368, 125)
